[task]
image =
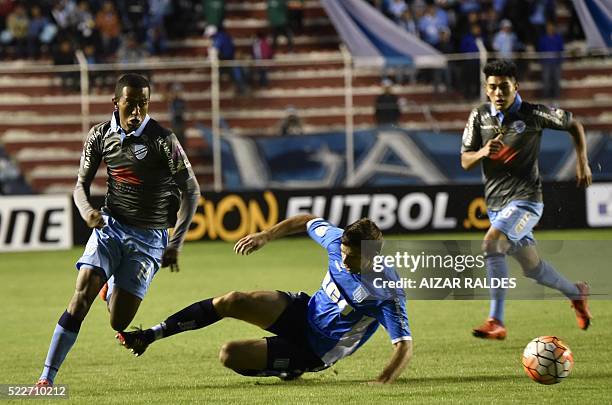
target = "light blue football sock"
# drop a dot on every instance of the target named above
(545, 274)
(62, 341)
(497, 268)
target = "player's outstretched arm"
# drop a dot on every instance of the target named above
(583, 171)
(255, 241)
(190, 193)
(401, 356)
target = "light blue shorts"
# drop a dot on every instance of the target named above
(517, 220)
(132, 255)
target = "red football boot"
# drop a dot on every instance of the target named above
(581, 306)
(103, 292)
(491, 329)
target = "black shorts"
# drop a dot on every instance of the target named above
(289, 350)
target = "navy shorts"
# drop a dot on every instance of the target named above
(289, 349)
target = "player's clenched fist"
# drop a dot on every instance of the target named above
(95, 220)
(492, 147)
(170, 258)
(251, 243)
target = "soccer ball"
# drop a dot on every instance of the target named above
(547, 360)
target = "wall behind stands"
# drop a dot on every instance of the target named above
(229, 216)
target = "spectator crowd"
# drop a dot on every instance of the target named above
(40, 28)
(126, 31)
(465, 26)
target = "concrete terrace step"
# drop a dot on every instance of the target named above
(269, 117)
(263, 120)
(311, 75)
(196, 88)
(248, 27)
(301, 43)
(22, 109)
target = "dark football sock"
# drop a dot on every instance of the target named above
(195, 316)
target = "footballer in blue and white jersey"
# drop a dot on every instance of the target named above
(309, 333)
(345, 312)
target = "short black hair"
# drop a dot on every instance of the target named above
(131, 80)
(500, 67)
(363, 229)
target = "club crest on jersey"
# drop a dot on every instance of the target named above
(140, 150)
(519, 126)
(359, 294)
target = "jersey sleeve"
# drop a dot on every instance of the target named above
(90, 161)
(323, 232)
(393, 317)
(472, 139)
(91, 156)
(553, 118)
(182, 173)
(178, 163)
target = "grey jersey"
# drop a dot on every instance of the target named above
(518, 178)
(146, 170)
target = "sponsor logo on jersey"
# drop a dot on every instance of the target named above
(140, 150)
(552, 118)
(166, 148)
(519, 126)
(468, 132)
(558, 112)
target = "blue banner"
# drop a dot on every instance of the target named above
(383, 158)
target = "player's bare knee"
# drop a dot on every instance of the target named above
(495, 244)
(490, 247)
(226, 354)
(232, 301)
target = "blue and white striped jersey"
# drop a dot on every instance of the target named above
(345, 312)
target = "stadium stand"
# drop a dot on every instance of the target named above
(40, 121)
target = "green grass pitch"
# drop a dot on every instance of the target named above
(449, 366)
